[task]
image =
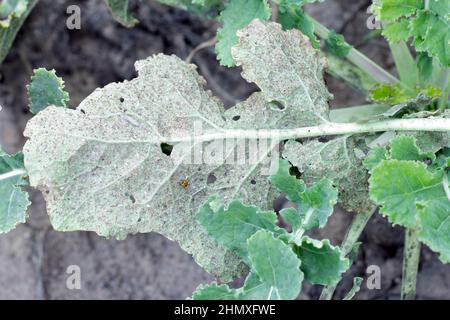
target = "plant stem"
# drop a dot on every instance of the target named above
(411, 258)
(356, 228)
(357, 57)
(325, 129)
(12, 174)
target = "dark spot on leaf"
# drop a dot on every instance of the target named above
(253, 181)
(236, 118)
(166, 148)
(82, 111)
(132, 198)
(293, 171)
(122, 99)
(211, 179)
(278, 104)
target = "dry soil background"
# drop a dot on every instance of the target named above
(34, 258)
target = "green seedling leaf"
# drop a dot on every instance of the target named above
(119, 9)
(357, 282)
(317, 203)
(286, 183)
(236, 15)
(13, 14)
(395, 94)
(322, 263)
(336, 160)
(46, 89)
(429, 27)
(292, 16)
(103, 169)
(14, 202)
(232, 226)
(399, 186)
(276, 265)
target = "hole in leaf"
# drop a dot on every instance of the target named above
(211, 179)
(166, 148)
(236, 118)
(293, 171)
(277, 104)
(253, 181)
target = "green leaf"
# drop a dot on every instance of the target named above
(46, 89)
(103, 168)
(322, 263)
(317, 203)
(429, 27)
(357, 281)
(395, 94)
(399, 186)
(336, 44)
(425, 66)
(232, 226)
(236, 15)
(14, 202)
(338, 160)
(214, 291)
(286, 183)
(293, 217)
(374, 157)
(405, 148)
(13, 14)
(396, 32)
(119, 9)
(435, 221)
(431, 34)
(292, 16)
(276, 264)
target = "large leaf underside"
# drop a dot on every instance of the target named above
(101, 166)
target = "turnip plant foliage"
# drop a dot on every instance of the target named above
(160, 153)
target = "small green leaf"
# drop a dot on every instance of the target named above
(232, 226)
(322, 263)
(394, 9)
(236, 15)
(286, 183)
(317, 203)
(374, 157)
(399, 186)
(396, 32)
(46, 89)
(14, 203)
(276, 265)
(405, 148)
(291, 17)
(336, 44)
(119, 9)
(435, 221)
(357, 281)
